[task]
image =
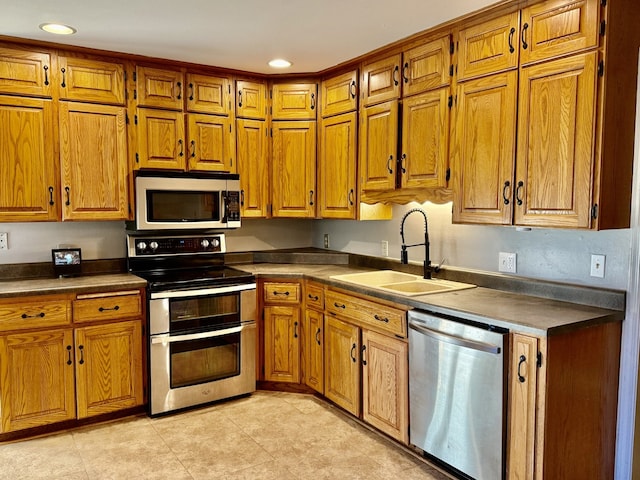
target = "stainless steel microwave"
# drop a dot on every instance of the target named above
(186, 201)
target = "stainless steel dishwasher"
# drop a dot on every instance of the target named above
(457, 393)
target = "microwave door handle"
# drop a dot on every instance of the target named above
(164, 339)
(225, 207)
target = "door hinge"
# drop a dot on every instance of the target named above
(126, 118)
(450, 103)
(270, 94)
(594, 211)
(270, 110)
(125, 75)
(135, 94)
(229, 128)
(603, 27)
(126, 94)
(137, 158)
(603, 3)
(451, 70)
(135, 119)
(271, 130)
(229, 88)
(447, 177)
(601, 68)
(135, 79)
(452, 48)
(539, 361)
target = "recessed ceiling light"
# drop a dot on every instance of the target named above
(279, 63)
(58, 28)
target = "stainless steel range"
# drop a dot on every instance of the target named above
(201, 315)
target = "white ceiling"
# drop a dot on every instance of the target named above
(238, 34)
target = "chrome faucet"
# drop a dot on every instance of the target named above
(404, 257)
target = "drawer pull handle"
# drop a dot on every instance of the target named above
(522, 360)
(37, 315)
(318, 337)
(286, 294)
(295, 329)
(337, 305)
(103, 309)
(69, 362)
(353, 349)
(193, 149)
(381, 319)
(315, 298)
(81, 348)
(364, 349)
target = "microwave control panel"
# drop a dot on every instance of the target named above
(232, 207)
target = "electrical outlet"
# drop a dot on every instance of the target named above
(597, 265)
(326, 240)
(4, 243)
(384, 248)
(507, 262)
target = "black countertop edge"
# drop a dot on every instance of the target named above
(44, 270)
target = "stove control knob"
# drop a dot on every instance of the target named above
(215, 242)
(142, 246)
(204, 243)
(153, 245)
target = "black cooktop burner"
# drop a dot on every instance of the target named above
(194, 278)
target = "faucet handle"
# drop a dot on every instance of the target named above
(438, 267)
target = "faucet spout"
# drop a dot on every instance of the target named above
(404, 257)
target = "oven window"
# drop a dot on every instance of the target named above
(206, 360)
(200, 313)
(174, 206)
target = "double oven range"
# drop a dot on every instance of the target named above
(201, 315)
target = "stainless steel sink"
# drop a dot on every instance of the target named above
(401, 283)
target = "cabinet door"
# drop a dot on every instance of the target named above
(426, 66)
(211, 143)
(558, 27)
(294, 101)
(108, 367)
(29, 182)
(425, 140)
(314, 350)
(340, 94)
(93, 156)
(342, 365)
(251, 100)
(381, 80)
(385, 384)
(337, 166)
(25, 72)
(378, 146)
(252, 155)
(161, 139)
(554, 165)
(489, 47)
(208, 94)
(91, 80)
(159, 88)
(294, 169)
(282, 344)
(522, 418)
(483, 149)
(36, 379)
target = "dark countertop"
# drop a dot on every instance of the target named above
(83, 284)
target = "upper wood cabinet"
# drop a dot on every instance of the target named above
(381, 80)
(159, 88)
(251, 100)
(208, 94)
(160, 139)
(426, 66)
(29, 184)
(93, 157)
(378, 146)
(211, 143)
(25, 71)
(294, 101)
(293, 169)
(253, 167)
(90, 80)
(339, 94)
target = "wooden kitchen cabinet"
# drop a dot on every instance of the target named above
(159, 88)
(293, 169)
(209, 94)
(426, 66)
(29, 184)
(94, 162)
(211, 143)
(339, 94)
(253, 167)
(161, 143)
(251, 99)
(381, 80)
(378, 146)
(313, 337)
(26, 71)
(91, 80)
(342, 371)
(294, 101)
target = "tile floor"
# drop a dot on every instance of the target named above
(268, 435)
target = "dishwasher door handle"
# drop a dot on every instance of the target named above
(461, 342)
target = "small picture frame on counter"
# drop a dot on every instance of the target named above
(67, 262)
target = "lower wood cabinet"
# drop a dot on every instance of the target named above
(342, 364)
(313, 349)
(51, 370)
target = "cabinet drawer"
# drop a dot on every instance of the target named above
(107, 306)
(281, 292)
(367, 313)
(34, 312)
(314, 296)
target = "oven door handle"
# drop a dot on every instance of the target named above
(203, 291)
(164, 339)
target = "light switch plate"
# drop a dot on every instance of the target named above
(597, 265)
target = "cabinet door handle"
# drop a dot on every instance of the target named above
(190, 91)
(523, 359)
(405, 69)
(104, 309)
(242, 197)
(63, 84)
(46, 75)
(395, 79)
(81, 348)
(506, 186)
(350, 197)
(179, 85)
(310, 197)
(402, 159)
(313, 101)
(68, 202)
(295, 329)
(50, 195)
(353, 349)
(337, 305)
(318, 337)
(381, 319)
(364, 349)
(352, 89)
(69, 362)
(389, 161)
(511, 32)
(240, 98)
(518, 190)
(37, 315)
(181, 143)
(193, 148)
(525, 45)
